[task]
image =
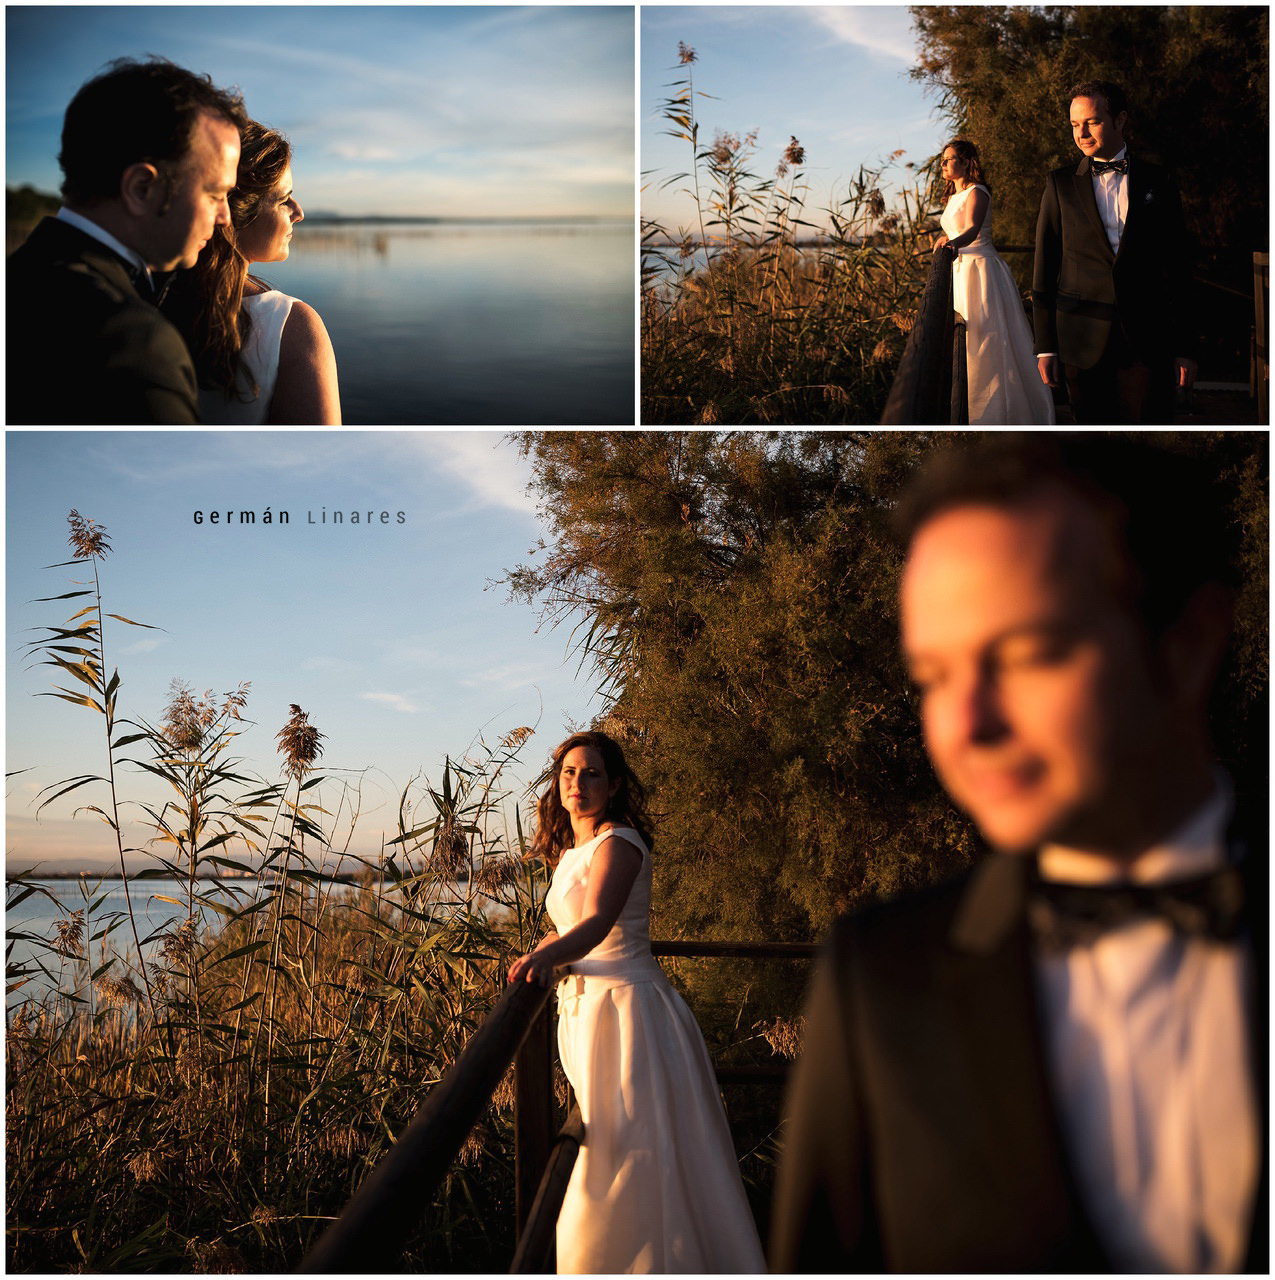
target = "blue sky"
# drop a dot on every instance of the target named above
(470, 111)
(835, 77)
(389, 635)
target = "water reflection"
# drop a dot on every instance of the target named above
(473, 324)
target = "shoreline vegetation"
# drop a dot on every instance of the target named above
(758, 315)
(208, 1096)
(25, 206)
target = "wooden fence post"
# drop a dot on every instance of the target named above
(1261, 339)
(533, 1114)
(960, 376)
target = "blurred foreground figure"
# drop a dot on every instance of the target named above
(1058, 1061)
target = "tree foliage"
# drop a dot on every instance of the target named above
(735, 592)
(1195, 76)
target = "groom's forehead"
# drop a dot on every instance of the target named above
(1089, 109)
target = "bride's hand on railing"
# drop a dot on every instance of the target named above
(939, 243)
(534, 966)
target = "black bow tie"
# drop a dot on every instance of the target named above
(1116, 166)
(1067, 915)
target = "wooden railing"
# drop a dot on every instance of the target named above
(370, 1233)
(931, 372)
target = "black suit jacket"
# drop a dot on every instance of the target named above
(922, 1134)
(1079, 285)
(83, 347)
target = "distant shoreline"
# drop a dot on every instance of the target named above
(344, 877)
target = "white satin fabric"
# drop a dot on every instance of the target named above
(259, 358)
(656, 1187)
(1005, 388)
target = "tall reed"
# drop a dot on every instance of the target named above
(231, 1079)
(759, 314)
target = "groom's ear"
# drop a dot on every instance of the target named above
(1121, 120)
(141, 188)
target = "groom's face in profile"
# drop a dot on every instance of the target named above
(1093, 129)
(193, 201)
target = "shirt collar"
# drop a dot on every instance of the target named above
(90, 228)
(1195, 848)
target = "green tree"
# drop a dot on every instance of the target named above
(736, 593)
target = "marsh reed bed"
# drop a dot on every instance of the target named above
(210, 1107)
(206, 1095)
(755, 314)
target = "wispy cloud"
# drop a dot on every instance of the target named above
(880, 29)
(508, 677)
(395, 701)
(146, 645)
(488, 465)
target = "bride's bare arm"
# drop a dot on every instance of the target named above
(306, 392)
(615, 866)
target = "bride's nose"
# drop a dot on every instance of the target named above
(298, 213)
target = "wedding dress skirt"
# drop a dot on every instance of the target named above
(1005, 388)
(656, 1187)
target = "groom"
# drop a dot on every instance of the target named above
(1056, 1062)
(1108, 288)
(149, 154)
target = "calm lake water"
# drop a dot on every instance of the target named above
(473, 324)
(38, 914)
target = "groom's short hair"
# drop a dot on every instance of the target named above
(1170, 527)
(132, 112)
(1113, 94)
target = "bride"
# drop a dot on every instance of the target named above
(1004, 386)
(656, 1187)
(261, 356)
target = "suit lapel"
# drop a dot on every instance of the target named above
(1083, 182)
(1250, 851)
(1015, 1128)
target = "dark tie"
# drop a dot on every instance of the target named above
(142, 282)
(1068, 915)
(1116, 166)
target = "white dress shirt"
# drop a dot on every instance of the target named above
(90, 228)
(1147, 1040)
(1111, 191)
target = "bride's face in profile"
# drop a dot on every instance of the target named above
(268, 237)
(583, 785)
(953, 167)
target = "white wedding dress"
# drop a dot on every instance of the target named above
(656, 1187)
(260, 357)
(1005, 388)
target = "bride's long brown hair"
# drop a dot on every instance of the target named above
(208, 302)
(967, 152)
(627, 808)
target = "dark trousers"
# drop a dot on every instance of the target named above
(1125, 388)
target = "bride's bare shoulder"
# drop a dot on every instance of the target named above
(306, 392)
